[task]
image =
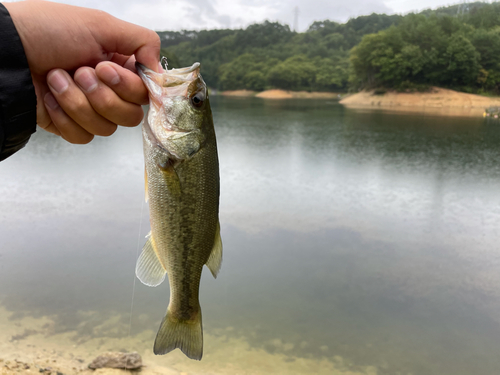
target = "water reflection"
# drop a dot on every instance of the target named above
(365, 235)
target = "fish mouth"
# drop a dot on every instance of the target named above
(170, 83)
(169, 77)
(182, 71)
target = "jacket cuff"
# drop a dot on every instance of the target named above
(17, 93)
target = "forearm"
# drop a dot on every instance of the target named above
(17, 94)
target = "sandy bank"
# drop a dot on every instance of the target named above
(282, 94)
(36, 346)
(437, 99)
(237, 93)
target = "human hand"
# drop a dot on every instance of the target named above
(82, 65)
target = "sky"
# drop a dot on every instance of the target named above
(177, 15)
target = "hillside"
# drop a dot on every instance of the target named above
(451, 47)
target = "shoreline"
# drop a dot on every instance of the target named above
(437, 100)
(280, 94)
(35, 345)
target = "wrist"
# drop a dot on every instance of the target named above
(17, 94)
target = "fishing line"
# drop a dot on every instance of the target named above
(136, 256)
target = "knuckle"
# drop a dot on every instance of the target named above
(103, 104)
(108, 102)
(75, 105)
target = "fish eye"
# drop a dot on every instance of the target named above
(198, 99)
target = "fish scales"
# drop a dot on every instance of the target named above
(182, 184)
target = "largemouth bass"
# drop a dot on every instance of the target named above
(182, 187)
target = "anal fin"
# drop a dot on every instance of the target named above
(214, 262)
(149, 269)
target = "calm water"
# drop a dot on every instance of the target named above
(366, 235)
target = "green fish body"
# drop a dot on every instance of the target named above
(182, 188)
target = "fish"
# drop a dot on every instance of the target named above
(182, 190)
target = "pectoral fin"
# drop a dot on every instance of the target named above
(149, 269)
(214, 262)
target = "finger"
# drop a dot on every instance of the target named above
(129, 39)
(130, 64)
(47, 124)
(67, 128)
(119, 59)
(105, 101)
(74, 102)
(43, 119)
(125, 83)
(50, 127)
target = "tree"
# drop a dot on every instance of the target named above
(295, 73)
(331, 74)
(463, 62)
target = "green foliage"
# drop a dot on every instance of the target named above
(354, 29)
(296, 72)
(444, 47)
(246, 71)
(262, 55)
(172, 59)
(463, 62)
(487, 43)
(483, 16)
(331, 74)
(255, 80)
(422, 50)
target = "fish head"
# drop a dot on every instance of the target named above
(178, 103)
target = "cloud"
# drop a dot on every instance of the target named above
(319, 10)
(208, 14)
(407, 6)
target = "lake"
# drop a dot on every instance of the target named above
(355, 242)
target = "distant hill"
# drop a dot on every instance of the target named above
(453, 46)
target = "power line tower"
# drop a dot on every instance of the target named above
(296, 19)
(463, 8)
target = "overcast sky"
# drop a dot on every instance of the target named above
(202, 14)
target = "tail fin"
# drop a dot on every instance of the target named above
(185, 335)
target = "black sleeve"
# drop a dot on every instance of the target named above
(17, 94)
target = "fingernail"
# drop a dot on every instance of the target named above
(58, 82)
(109, 75)
(50, 101)
(86, 79)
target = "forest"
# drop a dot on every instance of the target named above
(449, 47)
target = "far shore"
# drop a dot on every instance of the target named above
(281, 94)
(436, 100)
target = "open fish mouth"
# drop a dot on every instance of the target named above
(185, 70)
(181, 76)
(170, 82)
